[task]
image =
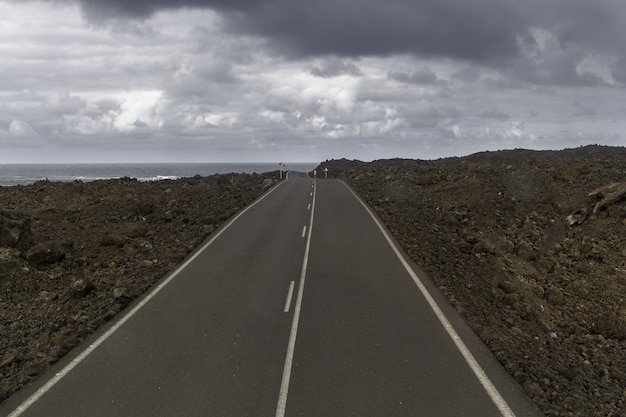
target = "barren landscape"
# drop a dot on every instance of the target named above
(529, 246)
(73, 255)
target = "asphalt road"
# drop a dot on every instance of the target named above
(301, 305)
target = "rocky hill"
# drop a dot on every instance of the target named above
(530, 247)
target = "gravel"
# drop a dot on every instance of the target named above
(73, 255)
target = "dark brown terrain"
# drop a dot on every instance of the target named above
(72, 255)
(530, 247)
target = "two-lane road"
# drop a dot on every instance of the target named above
(300, 306)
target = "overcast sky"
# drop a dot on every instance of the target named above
(292, 80)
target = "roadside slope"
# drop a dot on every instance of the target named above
(73, 255)
(544, 292)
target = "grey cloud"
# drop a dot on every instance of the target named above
(140, 124)
(486, 31)
(618, 71)
(583, 110)
(425, 115)
(279, 103)
(63, 102)
(367, 28)
(494, 114)
(214, 83)
(493, 33)
(597, 24)
(21, 128)
(334, 67)
(202, 79)
(98, 10)
(446, 133)
(556, 67)
(480, 29)
(215, 70)
(422, 76)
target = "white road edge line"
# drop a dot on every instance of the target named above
(284, 385)
(77, 360)
(491, 390)
(289, 296)
(304, 231)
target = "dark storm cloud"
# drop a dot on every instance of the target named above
(474, 30)
(371, 28)
(141, 9)
(599, 24)
(491, 32)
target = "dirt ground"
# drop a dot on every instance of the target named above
(530, 247)
(72, 255)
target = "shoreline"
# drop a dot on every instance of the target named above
(27, 174)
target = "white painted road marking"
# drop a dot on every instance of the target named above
(308, 207)
(289, 296)
(491, 390)
(304, 231)
(78, 359)
(284, 385)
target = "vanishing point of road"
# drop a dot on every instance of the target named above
(301, 305)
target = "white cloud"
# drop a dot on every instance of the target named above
(138, 110)
(22, 129)
(223, 119)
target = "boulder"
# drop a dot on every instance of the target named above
(576, 218)
(609, 194)
(112, 239)
(14, 229)
(611, 325)
(45, 254)
(81, 288)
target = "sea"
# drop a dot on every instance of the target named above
(24, 174)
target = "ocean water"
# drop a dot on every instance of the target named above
(24, 174)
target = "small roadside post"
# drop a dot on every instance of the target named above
(325, 172)
(281, 167)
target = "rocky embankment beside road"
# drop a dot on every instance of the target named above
(73, 255)
(530, 247)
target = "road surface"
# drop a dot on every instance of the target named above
(302, 305)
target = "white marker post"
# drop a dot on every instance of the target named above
(325, 172)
